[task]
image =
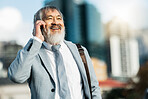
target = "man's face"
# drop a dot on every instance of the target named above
(55, 30)
(54, 21)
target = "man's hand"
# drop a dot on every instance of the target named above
(37, 29)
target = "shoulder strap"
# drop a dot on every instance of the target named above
(81, 52)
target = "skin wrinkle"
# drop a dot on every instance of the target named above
(39, 14)
(54, 32)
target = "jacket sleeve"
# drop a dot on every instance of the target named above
(96, 93)
(20, 69)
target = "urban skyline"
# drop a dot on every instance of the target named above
(116, 48)
(22, 17)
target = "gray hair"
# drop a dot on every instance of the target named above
(39, 14)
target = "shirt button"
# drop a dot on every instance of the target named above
(53, 90)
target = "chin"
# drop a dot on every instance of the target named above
(55, 38)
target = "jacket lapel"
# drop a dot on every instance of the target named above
(77, 58)
(46, 62)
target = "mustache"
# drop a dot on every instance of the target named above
(56, 25)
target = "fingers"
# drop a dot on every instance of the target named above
(40, 23)
(38, 26)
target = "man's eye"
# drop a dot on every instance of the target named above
(49, 18)
(59, 18)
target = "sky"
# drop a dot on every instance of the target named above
(16, 19)
(135, 12)
(16, 16)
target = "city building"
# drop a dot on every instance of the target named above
(123, 49)
(8, 51)
(143, 45)
(8, 89)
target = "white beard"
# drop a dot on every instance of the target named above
(55, 38)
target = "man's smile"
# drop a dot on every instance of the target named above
(56, 27)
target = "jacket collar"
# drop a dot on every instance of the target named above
(74, 50)
(46, 61)
(75, 53)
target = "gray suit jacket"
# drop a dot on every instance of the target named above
(32, 65)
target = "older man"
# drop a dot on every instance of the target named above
(50, 72)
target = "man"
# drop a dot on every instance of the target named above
(38, 63)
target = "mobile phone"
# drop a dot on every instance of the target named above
(41, 27)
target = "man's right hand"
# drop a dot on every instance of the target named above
(37, 29)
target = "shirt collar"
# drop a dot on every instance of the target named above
(48, 46)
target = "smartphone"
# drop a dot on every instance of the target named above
(41, 27)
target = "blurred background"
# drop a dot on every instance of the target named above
(114, 32)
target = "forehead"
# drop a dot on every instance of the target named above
(52, 12)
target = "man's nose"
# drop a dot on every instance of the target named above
(54, 21)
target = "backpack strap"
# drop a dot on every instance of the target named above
(81, 52)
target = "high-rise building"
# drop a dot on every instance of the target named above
(143, 45)
(8, 89)
(123, 49)
(8, 51)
